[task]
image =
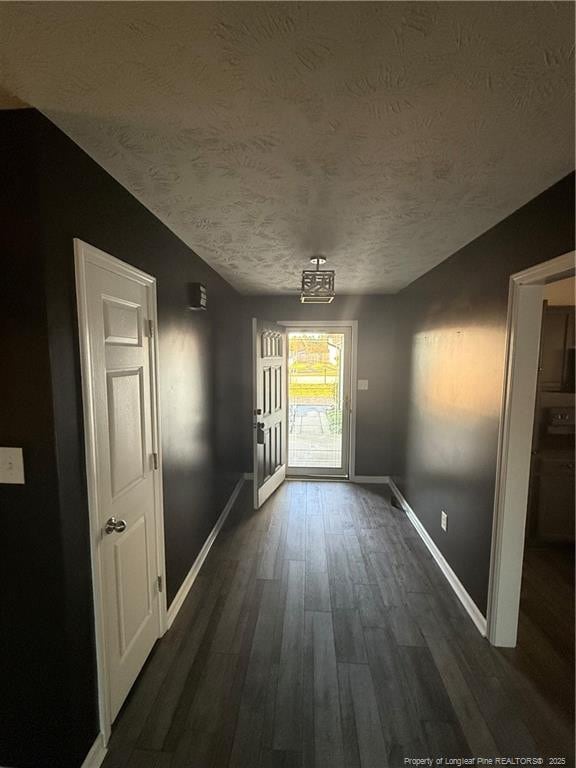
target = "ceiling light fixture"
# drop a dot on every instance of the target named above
(317, 284)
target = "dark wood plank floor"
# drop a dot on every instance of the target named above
(321, 634)
(545, 647)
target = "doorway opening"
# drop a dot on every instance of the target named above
(545, 644)
(526, 358)
(319, 403)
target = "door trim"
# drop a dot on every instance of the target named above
(353, 325)
(84, 254)
(525, 300)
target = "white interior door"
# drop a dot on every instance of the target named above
(269, 386)
(119, 308)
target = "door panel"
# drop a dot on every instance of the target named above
(122, 362)
(126, 428)
(122, 322)
(132, 575)
(269, 408)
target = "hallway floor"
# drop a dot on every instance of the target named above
(320, 633)
(546, 625)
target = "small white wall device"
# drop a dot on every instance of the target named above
(11, 466)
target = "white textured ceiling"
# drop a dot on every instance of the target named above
(383, 135)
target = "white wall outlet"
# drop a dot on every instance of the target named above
(11, 466)
(362, 383)
(443, 520)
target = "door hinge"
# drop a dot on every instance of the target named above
(155, 460)
(159, 583)
(150, 328)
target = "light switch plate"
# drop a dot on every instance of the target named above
(362, 383)
(11, 466)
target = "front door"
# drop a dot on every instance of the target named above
(269, 342)
(120, 350)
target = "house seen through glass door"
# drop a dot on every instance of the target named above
(318, 401)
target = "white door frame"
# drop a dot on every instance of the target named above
(84, 254)
(526, 296)
(353, 325)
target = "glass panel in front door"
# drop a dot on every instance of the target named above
(316, 399)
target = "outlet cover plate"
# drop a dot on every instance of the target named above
(443, 520)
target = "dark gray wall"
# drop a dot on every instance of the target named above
(450, 365)
(53, 192)
(199, 355)
(33, 664)
(375, 407)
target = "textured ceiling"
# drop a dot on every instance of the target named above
(383, 135)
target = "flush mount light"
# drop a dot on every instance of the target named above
(317, 284)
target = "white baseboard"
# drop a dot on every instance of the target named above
(469, 605)
(95, 757)
(379, 479)
(182, 593)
